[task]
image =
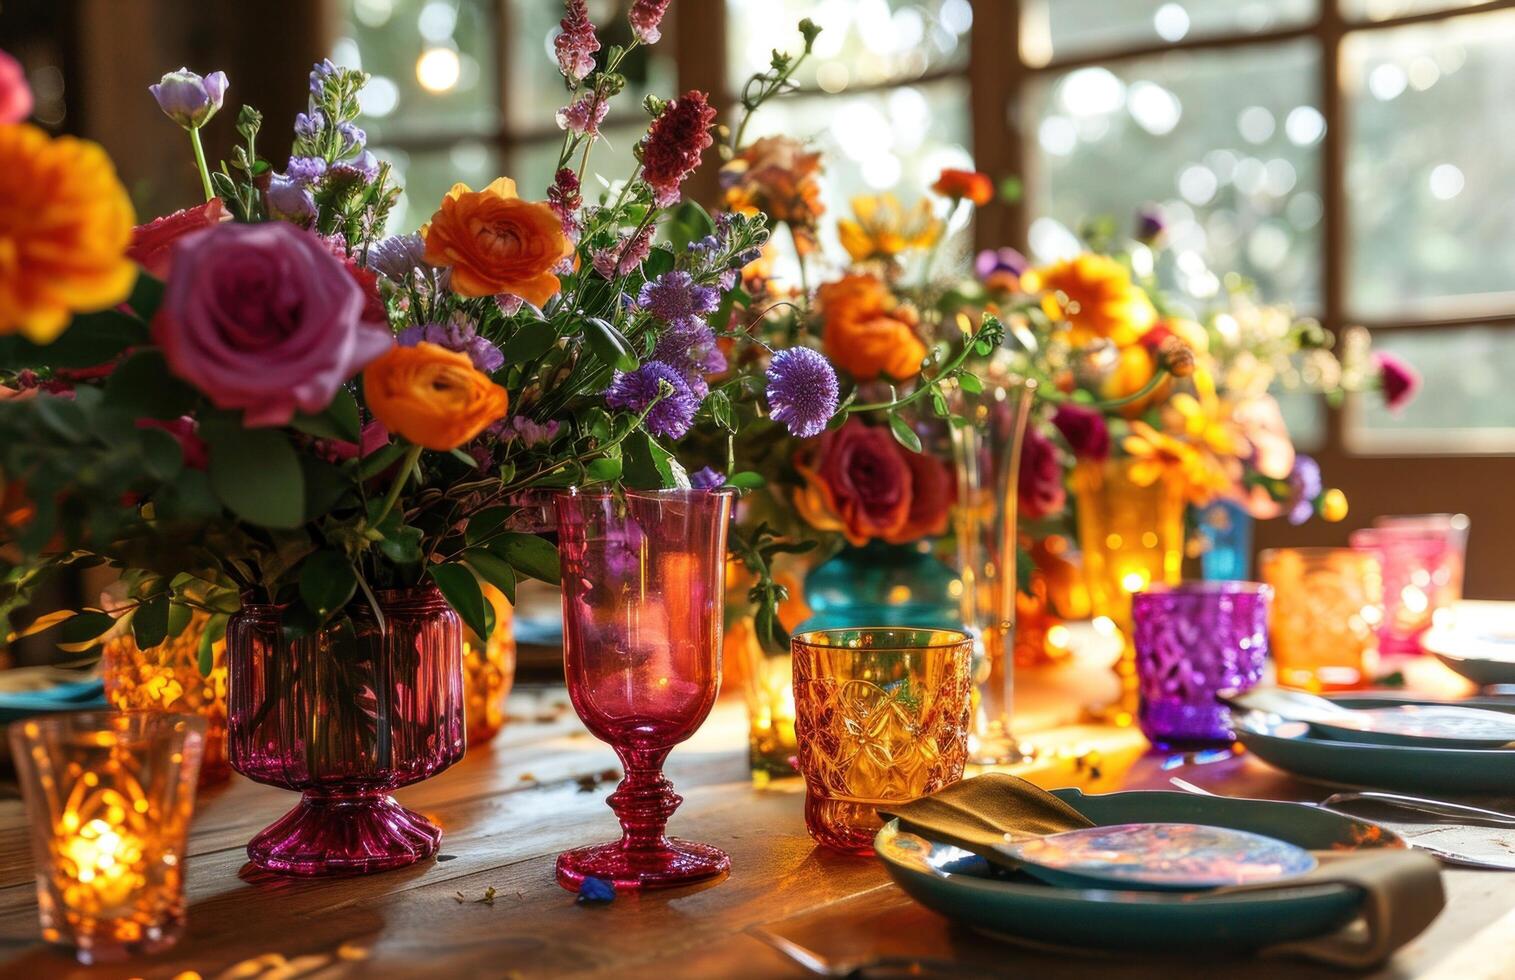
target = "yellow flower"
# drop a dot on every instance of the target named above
(1096, 297)
(65, 224)
(883, 228)
(1158, 456)
(1333, 506)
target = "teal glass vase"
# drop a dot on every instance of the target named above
(882, 584)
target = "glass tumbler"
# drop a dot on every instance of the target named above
(109, 797)
(882, 717)
(1327, 607)
(1422, 559)
(1193, 641)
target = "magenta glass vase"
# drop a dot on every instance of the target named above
(345, 716)
(643, 596)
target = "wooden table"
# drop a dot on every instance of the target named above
(510, 807)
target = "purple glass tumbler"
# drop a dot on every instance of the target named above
(1192, 641)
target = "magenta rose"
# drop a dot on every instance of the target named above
(1040, 490)
(265, 319)
(1398, 380)
(1085, 430)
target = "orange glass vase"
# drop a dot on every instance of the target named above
(1132, 536)
(489, 672)
(167, 678)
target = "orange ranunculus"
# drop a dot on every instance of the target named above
(432, 396)
(494, 242)
(65, 223)
(881, 228)
(866, 332)
(777, 176)
(969, 185)
(1098, 299)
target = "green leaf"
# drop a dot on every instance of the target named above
(659, 260)
(645, 465)
(188, 498)
(150, 622)
(63, 416)
(462, 592)
(970, 383)
(327, 582)
(85, 626)
(531, 341)
(215, 629)
(604, 470)
(257, 475)
(161, 454)
(402, 545)
(142, 385)
(91, 339)
(179, 616)
(380, 460)
(325, 486)
(530, 555)
(146, 296)
(903, 434)
(608, 345)
(746, 481)
(493, 569)
(486, 523)
(339, 420)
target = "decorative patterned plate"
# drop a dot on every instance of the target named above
(1167, 856)
(1290, 746)
(967, 889)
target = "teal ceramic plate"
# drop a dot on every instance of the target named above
(967, 889)
(1290, 746)
(1162, 856)
(1484, 655)
(1448, 726)
(76, 696)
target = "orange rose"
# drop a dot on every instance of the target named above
(965, 185)
(494, 242)
(65, 224)
(432, 396)
(866, 332)
(1096, 296)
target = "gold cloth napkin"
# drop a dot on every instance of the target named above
(1401, 889)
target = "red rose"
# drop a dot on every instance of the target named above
(1085, 430)
(861, 482)
(1040, 489)
(152, 244)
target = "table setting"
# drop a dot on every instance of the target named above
(901, 612)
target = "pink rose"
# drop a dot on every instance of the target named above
(153, 243)
(265, 319)
(15, 94)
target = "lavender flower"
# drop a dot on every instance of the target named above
(576, 44)
(802, 391)
(319, 73)
(645, 17)
(1304, 487)
(189, 99)
(305, 170)
(624, 544)
(531, 434)
(584, 115)
(397, 256)
(353, 139)
(457, 337)
(308, 127)
(706, 479)
(364, 167)
(634, 391)
(677, 300)
(289, 200)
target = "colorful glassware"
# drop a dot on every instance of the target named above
(168, 678)
(1192, 641)
(489, 671)
(1225, 528)
(109, 797)
(1422, 560)
(1327, 607)
(347, 715)
(883, 716)
(643, 603)
(768, 684)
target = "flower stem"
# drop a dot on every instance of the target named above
(407, 464)
(194, 140)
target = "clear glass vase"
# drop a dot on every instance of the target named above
(347, 715)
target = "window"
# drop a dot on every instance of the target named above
(1345, 155)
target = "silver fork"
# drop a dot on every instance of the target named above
(1459, 813)
(874, 969)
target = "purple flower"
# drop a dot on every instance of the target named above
(262, 318)
(1304, 487)
(290, 200)
(531, 434)
(309, 126)
(624, 544)
(1000, 267)
(706, 479)
(677, 300)
(457, 337)
(397, 256)
(645, 16)
(305, 170)
(693, 352)
(802, 391)
(509, 303)
(364, 167)
(319, 73)
(634, 391)
(353, 139)
(1150, 224)
(1085, 431)
(625, 257)
(1398, 380)
(576, 44)
(187, 98)
(584, 115)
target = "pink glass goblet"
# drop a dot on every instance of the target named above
(643, 596)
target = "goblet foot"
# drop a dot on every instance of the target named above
(681, 862)
(344, 835)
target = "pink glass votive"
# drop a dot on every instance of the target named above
(1422, 558)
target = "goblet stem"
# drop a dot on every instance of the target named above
(644, 801)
